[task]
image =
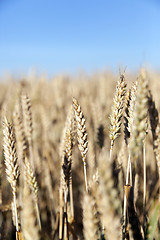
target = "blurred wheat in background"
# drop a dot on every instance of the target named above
(80, 158)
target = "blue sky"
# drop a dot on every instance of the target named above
(56, 36)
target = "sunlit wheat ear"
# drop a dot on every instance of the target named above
(10, 155)
(139, 128)
(129, 109)
(131, 106)
(81, 135)
(32, 182)
(117, 111)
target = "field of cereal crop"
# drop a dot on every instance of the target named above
(80, 157)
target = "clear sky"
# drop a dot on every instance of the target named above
(67, 35)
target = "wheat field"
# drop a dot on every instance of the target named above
(80, 157)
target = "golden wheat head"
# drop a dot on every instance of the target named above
(10, 154)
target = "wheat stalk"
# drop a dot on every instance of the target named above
(66, 173)
(19, 132)
(117, 111)
(66, 167)
(10, 155)
(81, 135)
(128, 122)
(27, 122)
(129, 111)
(61, 207)
(21, 144)
(139, 127)
(155, 128)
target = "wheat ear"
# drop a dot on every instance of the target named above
(129, 110)
(139, 127)
(27, 122)
(66, 175)
(27, 116)
(126, 116)
(66, 167)
(82, 135)
(128, 122)
(10, 155)
(19, 132)
(155, 128)
(70, 141)
(21, 145)
(67, 143)
(117, 111)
